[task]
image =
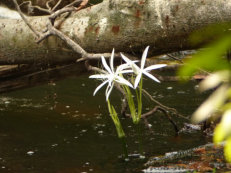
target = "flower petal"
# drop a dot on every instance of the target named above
(100, 86)
(131, 63)
(121, 80)
(143, 59)
(151, 76)
(127, 60)
(99, 76)
(153, 67)
(111, 60)
(137, 80)
(108, 91)
(105, 65)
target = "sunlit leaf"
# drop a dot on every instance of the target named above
(219, 134)
(209, 59)
(213, 80)
(223, 129)
(227, 150)
(211, 104)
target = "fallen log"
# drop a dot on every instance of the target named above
(127, 25)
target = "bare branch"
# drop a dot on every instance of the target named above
(24, 19)
(156, 108)
(76, 2)
(174, 111)
(48, 5)
(56, 5)
(82, 5)
(175, 58)
(30, 6)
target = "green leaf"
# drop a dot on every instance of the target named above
(131, 103)
(219, 134)
(116, 121)
(209, 33)
(227, 150)
(209, 59)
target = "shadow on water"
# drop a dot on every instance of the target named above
(61, 128)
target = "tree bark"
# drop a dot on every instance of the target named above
(126, 25)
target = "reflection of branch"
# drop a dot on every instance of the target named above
(172, 110)
(175, 58)
(155, 109)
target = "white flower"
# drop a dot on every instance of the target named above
(141, 70)
(110, 76)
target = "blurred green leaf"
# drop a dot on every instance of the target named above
(214, 79)
(210, 59)
(219, 134)
(209, 33)
(213, 103)
(227, 150)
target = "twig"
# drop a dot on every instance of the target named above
(30, 6)
(56, 5)
(174, 111)
(82, 5)
(48, 5)
(175, 58)
(25, 20)
(74, 3)
(156, 108)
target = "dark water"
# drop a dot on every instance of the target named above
(62, 128)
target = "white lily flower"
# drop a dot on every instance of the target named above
(141, 70)
(110, 76)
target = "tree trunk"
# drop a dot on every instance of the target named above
(126, 25)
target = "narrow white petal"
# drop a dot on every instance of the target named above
(126, 71)
(144, 56)
(111, 60)
(123, 81)
(108, 91)
(126, 59)
(105, 65)
(122, 67)
(138, 77)
(136, 69)
(99, 76)
(151, 76)
(153, 67)
(100, 86)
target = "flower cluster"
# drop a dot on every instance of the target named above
(110, 76)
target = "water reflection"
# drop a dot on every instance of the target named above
(62, 128)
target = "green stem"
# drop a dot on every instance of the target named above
(139, 139)
(139, 100)
(124, 145)
(116, 121)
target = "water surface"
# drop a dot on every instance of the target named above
(61, 128)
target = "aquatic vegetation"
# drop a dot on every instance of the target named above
(126, 82)
(110, 76)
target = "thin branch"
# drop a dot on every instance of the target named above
(174, 111)
(92, 68)
(156, 108)
(48, 5)
(56, 5)
(82, 5)
(24, 19)
(29, 4)
(175, 58)
(76, 2)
